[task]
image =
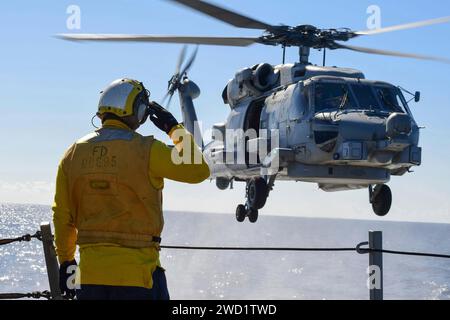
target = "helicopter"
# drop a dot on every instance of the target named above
(298, 121)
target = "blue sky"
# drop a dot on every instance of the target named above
(50, 88)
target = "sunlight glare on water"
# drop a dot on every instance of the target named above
(257, 275)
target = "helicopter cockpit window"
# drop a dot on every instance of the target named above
(390, 99)
(333, 96)
(301, 106)
(366, 97)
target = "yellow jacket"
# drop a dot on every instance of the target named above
(111, 264)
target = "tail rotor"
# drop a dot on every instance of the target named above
(180, 74)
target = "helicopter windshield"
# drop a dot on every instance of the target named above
(333, 96)
(357, 96)
(391, 99)
(366, 97)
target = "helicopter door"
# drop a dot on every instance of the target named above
(299, 109)
(299, 106)
(251, 131)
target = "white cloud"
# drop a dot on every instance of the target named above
(36, 192)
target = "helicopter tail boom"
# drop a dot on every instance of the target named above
(188, 91)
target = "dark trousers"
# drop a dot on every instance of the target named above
(98, 292)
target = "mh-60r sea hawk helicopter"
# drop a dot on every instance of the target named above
(335, 127)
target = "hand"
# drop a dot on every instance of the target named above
(67, 278)
(162, 118)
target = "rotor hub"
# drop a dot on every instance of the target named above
(306, 36)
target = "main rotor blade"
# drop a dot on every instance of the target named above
(392, 53)
(407, 26)
(225, 15)
(216, 41)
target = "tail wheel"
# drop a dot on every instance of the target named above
(252, 215)
(382, 200)
(241, 213)
(257, 192)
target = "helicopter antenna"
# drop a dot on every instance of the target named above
(324, 56)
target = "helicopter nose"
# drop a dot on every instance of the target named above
(354, 126)
(398, 124)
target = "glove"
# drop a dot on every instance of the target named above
(162, 118)
(65, 276)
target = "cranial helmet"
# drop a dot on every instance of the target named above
(125, 98)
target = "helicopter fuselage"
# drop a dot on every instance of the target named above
(323, 125)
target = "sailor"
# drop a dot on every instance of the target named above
(109, 198)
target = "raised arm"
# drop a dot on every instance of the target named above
(182, 163)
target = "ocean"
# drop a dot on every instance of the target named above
(200, 275)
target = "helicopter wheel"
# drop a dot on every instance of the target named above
(252, 215)
(241, 213)
(257, 192)
(381, 200)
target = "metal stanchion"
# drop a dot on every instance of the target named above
(376, 265)
(51, 261)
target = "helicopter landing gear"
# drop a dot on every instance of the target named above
(242, 212)
(252, 215)
(257, 192)
(381, 199)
